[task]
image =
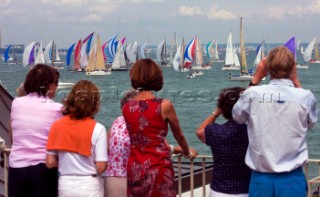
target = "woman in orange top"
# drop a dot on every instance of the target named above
(79, 143)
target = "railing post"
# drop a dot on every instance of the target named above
(204, 176)
(6, 168)
(191, 177)
(179, 175)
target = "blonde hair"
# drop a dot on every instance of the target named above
(280, 63)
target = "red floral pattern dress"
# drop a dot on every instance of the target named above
(150, 171)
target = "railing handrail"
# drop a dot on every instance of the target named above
(203, 158)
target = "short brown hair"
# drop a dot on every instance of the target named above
(227, 98)
(146, 75)
(83, 100)
(39, 78)
(280, 63)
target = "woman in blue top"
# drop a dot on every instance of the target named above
(228, 143)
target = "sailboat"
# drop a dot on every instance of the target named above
(52, 56)
(216, 57)
(259, 54)
(39, 55)
(291, 45)
(198, 61)
(132, 52)
(28, 56)
(119, 62)
(7, 58)
(162, 55)
(111, 49)
(142, 51)
(84, 52)
(96, 64)
(231, 61)
(178, 60)
(244, 74)
(189, 58)
(316, 59)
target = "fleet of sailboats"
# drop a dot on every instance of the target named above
(120, 57)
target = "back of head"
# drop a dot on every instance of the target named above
(146, 75)
(227, 98)
(83, 100)
(280, 63)
(127, 96)
(39, 78)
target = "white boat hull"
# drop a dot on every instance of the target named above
(302, 66)
(98, 72)
(185, 70)
(240, 77)
(231, 68)
(315, 61)
(201, 67)
(65, 85)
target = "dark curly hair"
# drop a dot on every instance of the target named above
(227, 98)
(146, 75)
(83, 101)
(39, 78)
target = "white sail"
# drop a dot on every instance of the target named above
(142, 51)
(83, 56)
(40, 55)
(260, 54)
(28, 54)
(119, 59)
(235, 58)
(131, 51)
(47, 52)
(230, 52)
(308, 51)
(134, 51)
(176, 60)
(302, 50)
(159, 50)
(216, 52)
(198, 55)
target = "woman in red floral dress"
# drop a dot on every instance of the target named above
(150, 171)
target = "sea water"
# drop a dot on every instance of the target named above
(194, 99)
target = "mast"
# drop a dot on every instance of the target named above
(53, 53)
(316, 51)
(243, 67)
(182, 54)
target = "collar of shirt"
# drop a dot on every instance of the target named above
(284, 82)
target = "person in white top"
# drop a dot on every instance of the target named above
(278, 116)
(77, 144)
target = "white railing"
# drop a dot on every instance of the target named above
(203, 159)
(313, 181)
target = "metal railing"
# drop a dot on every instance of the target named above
(203, 163)
(312, 180)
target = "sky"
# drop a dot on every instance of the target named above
(151, 21)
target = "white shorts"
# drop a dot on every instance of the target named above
(81, 186)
